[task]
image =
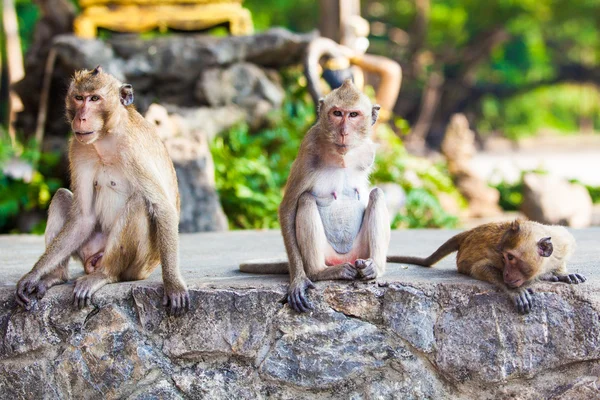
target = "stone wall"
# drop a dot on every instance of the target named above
(396, 341)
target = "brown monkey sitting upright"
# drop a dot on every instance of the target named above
(332, 227)
(121, 220)
(509, 255)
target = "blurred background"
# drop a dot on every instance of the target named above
(497, 114)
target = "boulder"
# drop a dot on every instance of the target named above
(186, 139)
(553, 200)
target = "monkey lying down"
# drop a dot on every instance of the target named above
(510, 255)
(121, 220)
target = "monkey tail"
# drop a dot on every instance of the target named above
(450, 246)
(265, 266)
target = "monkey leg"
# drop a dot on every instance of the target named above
(522, 297)
(313, 244)
(123, 254)
(58, 213)
(374, 237)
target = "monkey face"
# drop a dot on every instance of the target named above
(348, 126)
(94, 103)
(87, 122)
(516, 270)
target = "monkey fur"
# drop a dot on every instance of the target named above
(332, 226)
(510, 255)
(121, 218)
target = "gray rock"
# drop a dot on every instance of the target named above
(412, 314)
(419, 333)
(553, 200)
(244, 85)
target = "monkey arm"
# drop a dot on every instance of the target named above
(287, 219)
(299, 282)
(164, 214)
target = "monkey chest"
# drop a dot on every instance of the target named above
(341, 203)
(111, 191)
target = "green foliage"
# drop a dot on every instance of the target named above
(422, 180)
(511, 195)
(18, 195)
(423, 210)
(27, 16)
(542, 37)
(251, 168)
(559, 108)
(297, 16)
(594, 193)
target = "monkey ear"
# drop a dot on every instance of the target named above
(126, 94)
(545, 247)
(97, 70)
(320, 106)
(375, 113)
(515, 226)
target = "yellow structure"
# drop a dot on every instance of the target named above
(146, 15)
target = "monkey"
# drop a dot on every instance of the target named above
(510, 255)
(121, 218)
(332, 226)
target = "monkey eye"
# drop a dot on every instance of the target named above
(510, 257)
(79, 98)
(95, 98)
(337, 113)
(353, 114)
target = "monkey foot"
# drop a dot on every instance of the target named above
(366, 269)
(573, 279)
(177, 300)
(297, 298)
(85, 287)
(523, 300)
(349, 272)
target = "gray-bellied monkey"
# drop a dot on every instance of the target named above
(121, 220)
(332, 226)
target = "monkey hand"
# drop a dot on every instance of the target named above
(27, 285)
(176, 298)
(366, 269)
(523, 299)
(573, 279)
(296, 297)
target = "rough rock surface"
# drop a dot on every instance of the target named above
(416, 333)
